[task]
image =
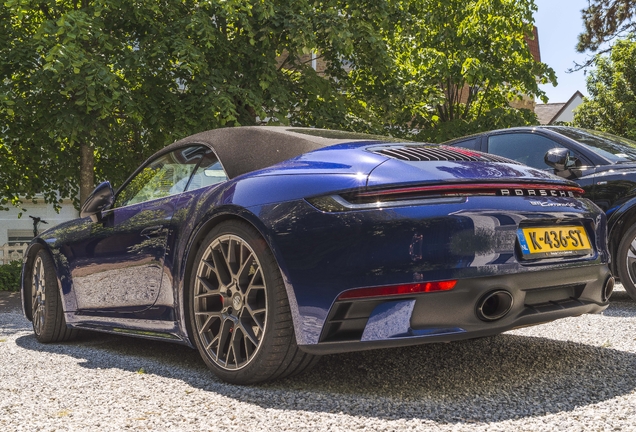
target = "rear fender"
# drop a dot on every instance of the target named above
(218, 216)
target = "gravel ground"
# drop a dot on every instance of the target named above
(573, 374)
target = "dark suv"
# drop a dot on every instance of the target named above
(603, 164)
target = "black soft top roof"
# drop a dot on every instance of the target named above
(250, 148)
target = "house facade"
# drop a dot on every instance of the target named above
(554, 113)
(16, 230)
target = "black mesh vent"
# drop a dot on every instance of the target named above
(417, 153)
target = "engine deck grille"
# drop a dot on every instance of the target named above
(418, 153)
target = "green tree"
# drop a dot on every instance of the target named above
(456, 65)
(605, 21)
(89, 88)
(611, 106)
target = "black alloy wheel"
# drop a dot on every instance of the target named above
(626, 261)
(49, 324)
(239, 310)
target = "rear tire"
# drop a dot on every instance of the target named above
(239, 310)
(626, 261)
(49, 324)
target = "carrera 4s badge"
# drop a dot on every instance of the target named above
(551, 204)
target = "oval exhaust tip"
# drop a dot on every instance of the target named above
(494, 305)
(608, 288)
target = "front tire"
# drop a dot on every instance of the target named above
(239, 311)
(626, 261)
(49, 324)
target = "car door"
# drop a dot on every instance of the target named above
(118, 266)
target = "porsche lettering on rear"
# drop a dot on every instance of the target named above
(536, 192)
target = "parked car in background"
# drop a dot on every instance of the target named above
(264, 247)
(603, 164)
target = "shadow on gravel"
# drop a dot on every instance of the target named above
(9, 301)
(17, 323)
(621, 306)
(490, 379)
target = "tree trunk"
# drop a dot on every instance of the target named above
(87, 171)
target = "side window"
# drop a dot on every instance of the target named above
(167, 175)
(526, 148)
(471, 144)
(209, 172)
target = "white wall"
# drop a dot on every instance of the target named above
(568, 113)
(9, 219)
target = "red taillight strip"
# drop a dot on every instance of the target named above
(392, 290)
(469, 188)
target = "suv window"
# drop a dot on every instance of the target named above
(526, 148)
(612, 147)
(470, 144)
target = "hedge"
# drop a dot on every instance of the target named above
(10, 276)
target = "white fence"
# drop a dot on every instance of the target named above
(12, 252)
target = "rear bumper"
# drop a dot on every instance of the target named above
(538, 297)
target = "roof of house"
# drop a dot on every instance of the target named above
(548, 113)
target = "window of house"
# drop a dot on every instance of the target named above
(18, 237)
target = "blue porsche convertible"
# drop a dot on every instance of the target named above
(265, 247)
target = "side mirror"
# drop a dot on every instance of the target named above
(103, 196)
(559, 159)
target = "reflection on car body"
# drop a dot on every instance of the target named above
(604, 165)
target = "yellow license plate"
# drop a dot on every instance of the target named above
(553, 241)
